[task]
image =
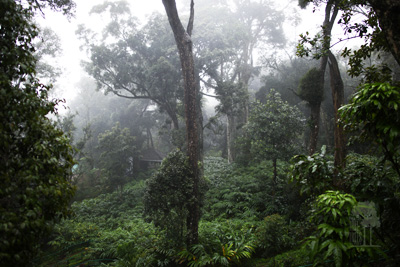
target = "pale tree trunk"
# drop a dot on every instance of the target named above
(326, 125)
(244, 77)
(185, 47)
(338, 100)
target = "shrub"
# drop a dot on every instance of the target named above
(273, 236)
(312, 173)
(297, 257)
(169, 195)
(335, 220)
(221, 244)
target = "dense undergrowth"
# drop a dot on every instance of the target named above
(245, 220)
(248, 219)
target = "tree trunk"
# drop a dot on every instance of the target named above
(230, 137)
(314, 117)
(330, 17)
(199, 124)
(388, 13)
(150, 143)
(185, 48)
(337, 88)
(174, 117)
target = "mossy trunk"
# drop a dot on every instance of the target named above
(185, 48)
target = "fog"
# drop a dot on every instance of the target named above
(71, 53)
(251, 136)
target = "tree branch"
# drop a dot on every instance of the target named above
(191, 19)
(209, 95)
(174, 20)
(208, 84)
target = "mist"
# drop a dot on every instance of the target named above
(200, 133)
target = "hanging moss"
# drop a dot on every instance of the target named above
(311, 87)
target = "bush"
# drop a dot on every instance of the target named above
(313, 174)
(221, 244)
(297, 257)
(169, 194)
(273, 236)
(335, 219)
(247, 192)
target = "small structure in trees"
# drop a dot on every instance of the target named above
(151, 159)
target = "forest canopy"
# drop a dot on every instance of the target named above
(208, 133)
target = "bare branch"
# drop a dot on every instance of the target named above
(209, 95)
(345, 39)
(191, 19)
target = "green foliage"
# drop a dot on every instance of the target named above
(113, 222)
(285, 78)
(311, 87)
(169, 194)
(362, 25)
(274, 128)
(374, 40)
(47, 47)
(312, 173)
(227, 243)
(36, 157)
(133, 243)
(142, 63)
(232, 97)
(334, 215)
(298, 257)
(243, 192)
(117, 152)
(371, 179)
(273, 236)
(113, 225)
(373, 113)
(35, 172)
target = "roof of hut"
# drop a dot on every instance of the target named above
(152, 155)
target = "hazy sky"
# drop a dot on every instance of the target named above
(72, 56)
(65, 29)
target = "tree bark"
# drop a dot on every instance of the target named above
(388, 13)
(185, 48)
(314, 117)
(230, 137)
(330, 17)
(337, 88)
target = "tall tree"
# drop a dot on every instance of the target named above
(337, 88)
(325, 55)
(311, 89)
(226, 38)
(135, 62)
(36, 157)
(185, 48)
